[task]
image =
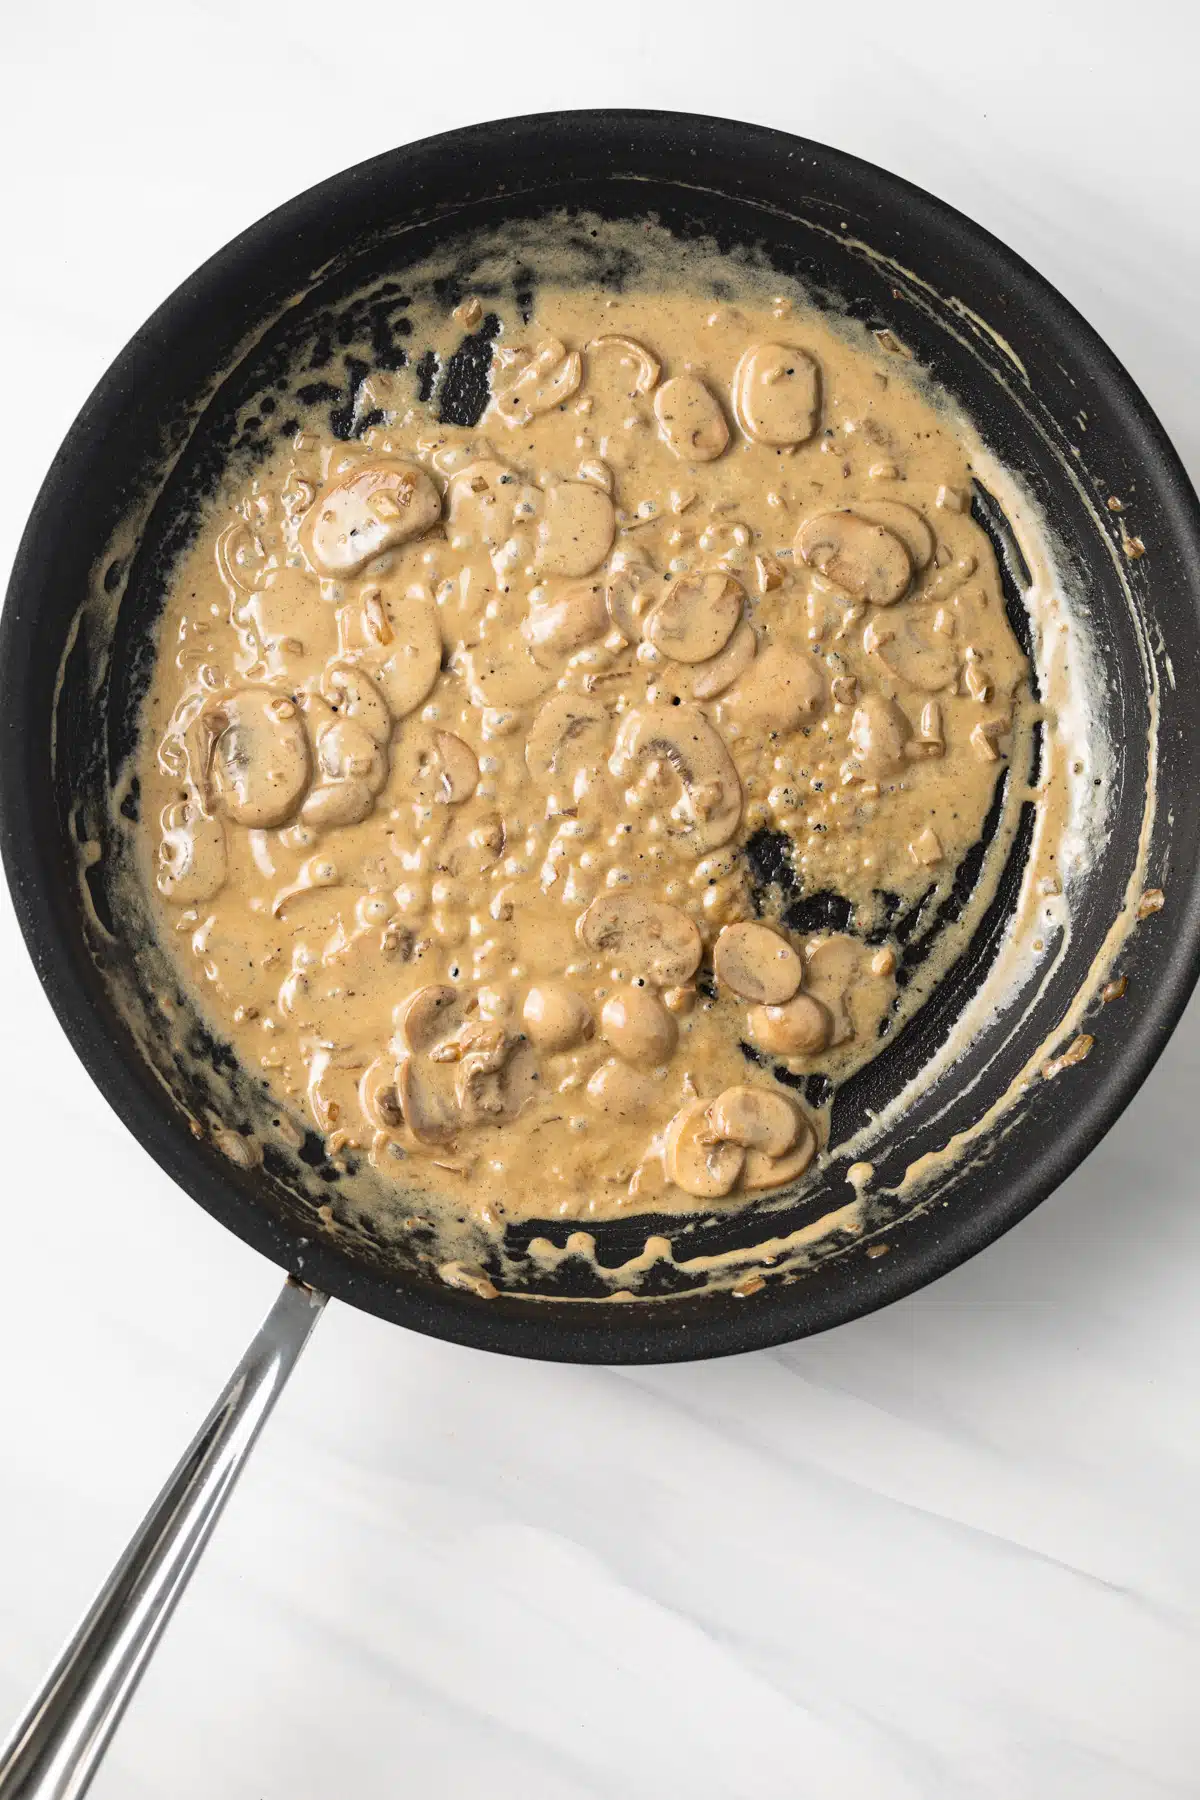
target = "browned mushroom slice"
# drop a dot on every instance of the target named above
(690, 420)
(905, 522)
(575, 531)
(521, 390)
(801, 1026)
(643, 937)
(406, 674)
(780, 691)
(757, 963)
(764, 1171)
(914, 651)
(556, 1017)
(710, 804)
(711, 678)
(570, 734)
(258, 757)
(696, 616)
(427, 1017)
(879, 730)
(638, 1026)
(758, 1118)
(644, 361)
(558, 625)
(364, 513)
(777, 394)
(191, 856)
(696, 1159)
(865, 560)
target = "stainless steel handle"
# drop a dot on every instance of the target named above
(56, 1748)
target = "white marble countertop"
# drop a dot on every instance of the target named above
(946, 1553)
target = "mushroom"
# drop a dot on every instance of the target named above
(638, 1026)
(627, 595)
(905, 522)
(427, 1101)
(482, 501)
(405, 676)
(879, 730)
(503, 675)
(757, 963)
(365, 512)
(644, 360)
(334, 803)
(523, 389)
(801, 1026)
(575, 531)
(779, 692)
(777, 394)
(427, 1016)
(258, 757)
(758, 1118)
(285, 623)
(495, 1075)
(914, 652)
(241, 558)
(556, 1017)
(354, 694)
(710, 805)
(554, 628)
(569, 734)
(377, 1095)
(833, 965)
(865, 560)
(645, 937)
(191, 856)
(621, 1092)
(438, 768)
(690, 420)
(764, 1171)
(696, 1159)
(696, 616)
(721, 671)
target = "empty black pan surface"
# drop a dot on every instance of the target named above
(1050, 400)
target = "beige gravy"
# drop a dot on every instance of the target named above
(457, 740)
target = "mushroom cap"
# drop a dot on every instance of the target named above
(801, 1026)
(259, 757)
(777, 394)
(559, 625)
(696, 1159)
(644, 937)
(710, 806)
(780, 691)
(427, 1016)
(758, 1118)
(866, 560)
(690, 420)
(503, 675)
(436, 767)
(406, 674)
(575, 531)
(570, 732)
(638, 1026)
(548, 378)
(757, 963)
(721, 671)
(365, 512)
(879, 730)
(764, 1171)
(556, 1017)
(696, 616)
(620, 1091)
(910, 526)
(351, 690)
(912, 650)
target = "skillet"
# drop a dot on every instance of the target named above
(262, 319)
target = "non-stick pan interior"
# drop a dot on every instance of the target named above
(226, 366)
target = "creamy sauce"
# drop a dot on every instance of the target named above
(496, 782)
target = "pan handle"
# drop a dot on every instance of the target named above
(56, 1748)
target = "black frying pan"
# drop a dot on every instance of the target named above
(1050, 401)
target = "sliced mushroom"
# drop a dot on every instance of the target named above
(523, 389)
(764, 1171)
(437, 768)
(696, 1159)
(913, 530)
(484, 501)
(191, 856)
(503, 676)
(557, 626)
(780, 691)
(758, 1118)
(801, 1026)
(710, 805)
(721, 671)
(638, 1026)
(690, 420)
(335, 803)
(575, 531)
(645, 362)
(878, 733)
(354, 694)
(865, 560)
(777, 394)
(426, 1097)
(405, 676)
(570, 733)
(258, 757)
(757, 963)
(915, 652)
(495, 1076)
(377, 1095)
(628, 594)
(346, 751)
(365, 512)
(696, 617)
(242, 559)
(286, 624)
(556, 1017)
(644, 937)
(621, 1092)
(427, 1017)
(833, 966)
